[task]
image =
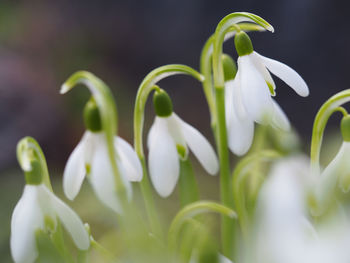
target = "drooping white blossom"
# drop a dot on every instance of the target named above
(91, 158)
(285, 230)
(35, 206)
(248, 96)
(167, 137)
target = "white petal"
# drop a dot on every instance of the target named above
(70, 220)
(151, 133)
(128, 159)
(283, 229)
(163, 160)
(102, 179)
(26, 219)
(223, 259)
(124, 176)
(74, 172)
(175, 131)
(280, 119)
(287, 74)
(263, 71)
(255, 92)
(200, 147)
(240, 131)
(329, 177)
(237, 97)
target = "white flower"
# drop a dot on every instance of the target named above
(90, 157)
(285, 232)
(36, 204)
(337, 173)
(167, 137)
(248, 96)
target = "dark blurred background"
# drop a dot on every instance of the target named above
(43, 42)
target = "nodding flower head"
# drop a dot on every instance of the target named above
(109, 161)
(90, 157)
(249, 95)
(39, 209)
(168, 142)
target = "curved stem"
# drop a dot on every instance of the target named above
(321, 119)
(28, 146)
(144, 90)
(224, 26)
(239, 176)
(206, 64)
(342, 111)
(191, 211)
(109, 117)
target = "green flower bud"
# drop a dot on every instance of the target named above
(162, 103)
(92, 118)
(243, 44)
(230, 67)
(34, 176)
(345, 128)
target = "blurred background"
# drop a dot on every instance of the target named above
(43, 42)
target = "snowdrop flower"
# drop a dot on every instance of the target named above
(91, 158)
(281, 213)
(168, 141)
(337, 173)
(40, 209)
(248, 95)
(285, 232)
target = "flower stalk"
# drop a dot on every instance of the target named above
(146, 87)
(109, 118)
(222, 29)
(327, 109)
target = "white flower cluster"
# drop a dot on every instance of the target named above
(294, 216)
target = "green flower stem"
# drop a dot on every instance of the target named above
(144, 90)
(321, 119)
(108, 110)
(224, 26)
(239, 176)
(226, 196)
(107, 255)
(29, 146)
(342, 111)
(188, 187)
(206, 64)
(82, 256)
(192, 210)
(59, 242)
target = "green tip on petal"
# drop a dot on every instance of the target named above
(162, 103)
(34, 175)
(243, 44)
(272, 91)
(230, 67)
(92, 118)
(345, 128)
